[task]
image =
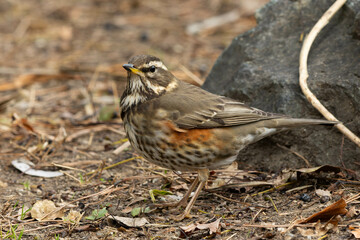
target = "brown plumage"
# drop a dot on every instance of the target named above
(182, 127)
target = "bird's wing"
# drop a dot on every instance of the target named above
(192, 107)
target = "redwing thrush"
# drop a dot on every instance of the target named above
(179, 126)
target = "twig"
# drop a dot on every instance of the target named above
(231, 200)
(70, 176)
(140, 177)
(121, 148)
(256, 214)
(231, 236)
(80, 164)
(86, 131)
(191, 75)
(323, 21)
(69, 148)
(67, 167)
(297, 154)
(113, 165)
(273, 203)
(353, 198)
(41, 228)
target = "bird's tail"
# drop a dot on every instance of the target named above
(254, 132)
(297, 122)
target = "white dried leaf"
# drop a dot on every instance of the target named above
(25, 166)
(323, 193)
(131, 222)
(42, 209)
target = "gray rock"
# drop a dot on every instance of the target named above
(260, 68)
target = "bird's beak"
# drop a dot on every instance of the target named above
(131, 68)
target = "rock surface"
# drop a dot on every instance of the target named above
(260, 68)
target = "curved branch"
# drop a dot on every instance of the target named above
(304, 73)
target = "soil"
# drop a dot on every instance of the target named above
(60, 81)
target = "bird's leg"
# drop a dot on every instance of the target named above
(203, 175)
(183, 201)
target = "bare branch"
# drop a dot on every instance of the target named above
(323, 21)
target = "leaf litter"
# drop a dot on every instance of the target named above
(59, 89)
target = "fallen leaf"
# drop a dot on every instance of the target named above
(189, 228)
(23, 123)
(356, 232)
(73, 217)
(180, 186)
(25, 166)
(337, 208)
(41, 209)
(323, 168)
(307, 232)
(352, 212)
(322, 193)
(217, 183)
(130, 222)
(213, 226)
(320, 228)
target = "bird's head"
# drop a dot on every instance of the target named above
(147, 78)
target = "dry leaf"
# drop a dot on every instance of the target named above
(179, 186)
(322, 193)
(307, 232)
(323, 168)
(23, 123)
(73, 217)
(217, 183)
(130, 222)
(41, 209)
(356, 232)
(292, 174)
(25, 166)
(352, 212)
(337, 208)
(234, 166)
(189, 228)
(213, 226)
(320, 228)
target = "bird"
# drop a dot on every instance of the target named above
(182, 127)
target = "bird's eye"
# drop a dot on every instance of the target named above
(152, 69)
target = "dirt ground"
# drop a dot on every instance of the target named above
(60, 81)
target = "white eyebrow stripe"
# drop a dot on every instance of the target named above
(158, 64)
